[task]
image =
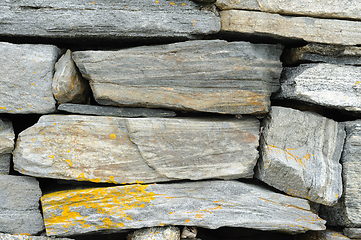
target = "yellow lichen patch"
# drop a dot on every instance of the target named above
(290, 156)
(157, 1)
(113, 136)
(183, 4)
(336, 195)
(194, 21)
(3, 108)
(358, 82)
(51, 156)
(33, 84)
(161, 224)
(187, 221)
(172, 3)
(69, 162)
(199, 215)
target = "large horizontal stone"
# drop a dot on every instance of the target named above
(110, 149)
(26, 76)
(289, 28)
(7, 137)
(114, 111)
(209, 204)
(118, 20)
(352, 232)
(19, 205)
(314, 52)
(321, 8)
(328, 85)
(205, 75)
(4, 236)
(348, 211)
(301, 153)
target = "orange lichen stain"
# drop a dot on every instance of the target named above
(199, 215)
(113, 203)
(358, 82)
(35, 72)
(336, 195)
(171, 212)
(92, 2)
(33, 84)
(68, 151)
(194, 21)
(161, 224)
(290, 156)
(172, 3)
(69, 162)
(3, 108)
(51, 156)
(111, 179)
(187, 221)
(167, 88)
(29, 105)
(157, 1)
(25, 234)
(183, 4)
(54, 124)
(19, 108)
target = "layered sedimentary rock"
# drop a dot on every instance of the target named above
(290, 28)
(352, 232)
(319, 9)
(156, 233)
(114, 111)
(121, 19)
(68, 84)
(314, 52)
(26, 75)
(209, 204)
(19, 205)
(205, 75)
(348, 211)
(301, 153)
(4, 236)
(328, 85)
(7, 137)
(110, 149)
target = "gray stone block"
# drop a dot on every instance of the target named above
(156, 233)
(4, 236)
(354, 233)
(7, 137)
(322, 235)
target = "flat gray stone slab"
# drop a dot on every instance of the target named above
(320, 9)
(4, 236)
(26, 76)
(118, 20)
(209, 204)
(114, 111)
(313, 52)
(204, 75)
(327, 85)
(301, 153)
(352, 232)
(127, 150)
(156, 233)
(19, 204)
(322, 235)
(290, 28)
(7, 137)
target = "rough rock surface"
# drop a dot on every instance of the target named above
(348, 210)
(322, 235)
(7, 137)
(301, 153)
(156, 233)
(352, 232)
(114, 111)
(26, 75)
(321, 8)
(118, 20)
(328, 85)
(290, 28)
(314, 52)
(19, 205)
(4, 236)
(68, 84)
(205, 75)
(209, 204)
(110, 149)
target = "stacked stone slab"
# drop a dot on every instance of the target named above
(7, 137)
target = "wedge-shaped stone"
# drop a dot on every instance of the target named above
(210, 204)
(110, 149)
(329, 85)
(4, 236)
(156, 233)
(301, 153)
(19, 205)
(348, 211)
(26, 72)
(204, 75)
(320, 8)
(118, 20)
(287, 28)
(314, 52)
(7, 137)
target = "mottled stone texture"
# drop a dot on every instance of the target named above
(301, 153)
(103, 19)
(322, 235)
(328, 85)
(290, 28)
(352, 232)
(205, 75)
(4, 236)
(19, 205)
(320, 8)
(209, 204)
(7, 137)
(26, 75)
(68, 84)
(156, 233)
(348, 211)
(110, 149)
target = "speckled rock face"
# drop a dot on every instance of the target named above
(209, 204)
(156, 233)
(4, 236)
(7, 137)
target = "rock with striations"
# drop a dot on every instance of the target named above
(281, 28)
(4, 236)
(156, 233)
(327, 85)
(208, 204)
(19, 205)
(314, 52)
(68, 84)
(348, 210)
(352, 232)
(7, 137)
(301, 153)
(320, 9)
(122, 19)
(114, 111)
(204, 75)
(127, 150)
(26, 76)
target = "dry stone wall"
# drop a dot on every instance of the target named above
(160, 119)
